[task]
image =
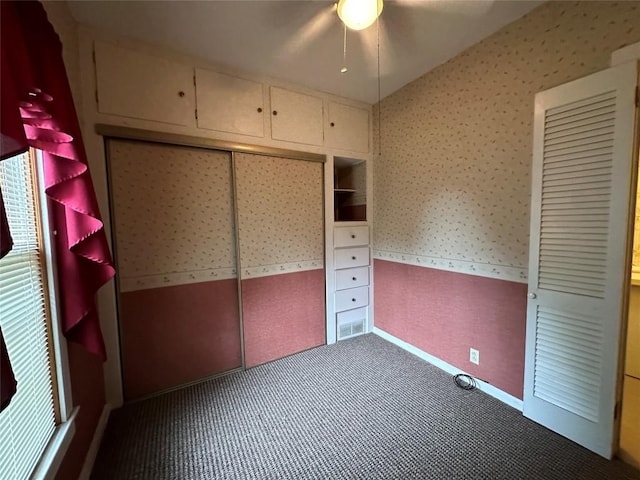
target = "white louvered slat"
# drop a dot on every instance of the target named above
(572, 125)
(591, 172)
(576, 185)
(28, 423)
(569, 183)
(579, 147)
(586, 104)
(568, 360)
(588, 156)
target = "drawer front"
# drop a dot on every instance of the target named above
(351, 236)
(352, 298)
(352, 277)
(352, 257)
(352, 316)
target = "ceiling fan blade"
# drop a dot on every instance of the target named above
(458, 7)
(310, 29)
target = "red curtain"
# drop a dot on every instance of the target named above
(38, 111)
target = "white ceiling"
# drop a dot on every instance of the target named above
(302, 41)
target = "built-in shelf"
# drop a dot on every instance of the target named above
(350, 189)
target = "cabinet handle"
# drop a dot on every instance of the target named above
(353, 236)
(181, 93)
(353, 258)
(259, 109)
(353, 278)
(275, 112)
(353, 299)
(332, 124)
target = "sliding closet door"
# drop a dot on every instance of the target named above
(175, 253)
(281, 231)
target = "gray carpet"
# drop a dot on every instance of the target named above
(360, 409)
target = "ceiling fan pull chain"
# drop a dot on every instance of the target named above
(344, 52)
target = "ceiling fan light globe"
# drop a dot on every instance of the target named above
(359, 14)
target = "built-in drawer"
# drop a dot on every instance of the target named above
(352, 277)
(351, 257)
(352, 298)
(350, 236)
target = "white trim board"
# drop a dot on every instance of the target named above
(626, 54)
(516, 274)
(92, 452)
(441, 364)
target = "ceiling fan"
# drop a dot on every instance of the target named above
(369, 25)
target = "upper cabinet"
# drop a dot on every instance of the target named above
(229, 104)
(143, 86)
(138, 85)
(296, 117)
(347, 127)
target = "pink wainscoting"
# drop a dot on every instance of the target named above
(445, 313)
(177, 334)
(282, 315)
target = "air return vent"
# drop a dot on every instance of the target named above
(350, 329)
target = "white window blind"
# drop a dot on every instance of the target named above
(28, 423)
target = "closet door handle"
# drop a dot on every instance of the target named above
(181, 93)
(259, 109)
(353, 235)
(353, 258)
(353, 278)
(275, 112)
(353, 299)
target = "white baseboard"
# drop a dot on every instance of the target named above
(89, 460)
(441, 364)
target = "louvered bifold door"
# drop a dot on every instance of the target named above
(581, 191)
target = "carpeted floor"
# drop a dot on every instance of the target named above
(360, 409)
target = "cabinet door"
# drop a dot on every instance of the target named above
(296, 117)
(348, 127)
(137, 85)
(229, 104)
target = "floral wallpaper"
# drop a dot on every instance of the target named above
(452, 185)
(280, 214)
(173, 214)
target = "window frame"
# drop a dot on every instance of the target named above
(64, 411)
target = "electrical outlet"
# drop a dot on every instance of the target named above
(474, 356)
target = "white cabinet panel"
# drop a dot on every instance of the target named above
(348, 127)
(351, 236)
(296, 117)
(352, 316)
(229, 104)
(352, 298)
(352, 277)
(352, 257)
(137, 85)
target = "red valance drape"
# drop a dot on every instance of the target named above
(38, 111)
